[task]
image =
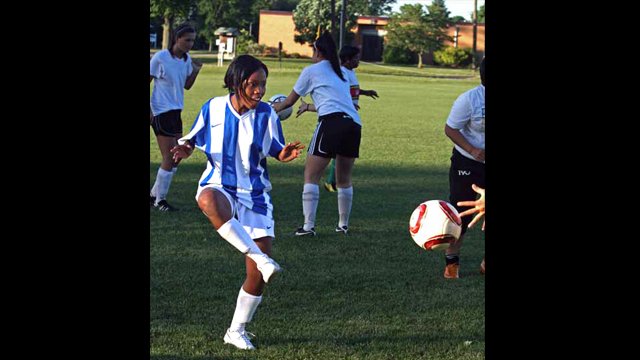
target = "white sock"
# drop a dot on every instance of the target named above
(345, 199)
(233, 232)
(163, 181)
(310, 199)
(246, 306)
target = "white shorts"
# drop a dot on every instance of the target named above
(256, 225)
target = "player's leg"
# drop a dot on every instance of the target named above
(217, 207)
(344, 169)
(168, 128)
(330, 182)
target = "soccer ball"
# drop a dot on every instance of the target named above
(434, 224)
(284, 113)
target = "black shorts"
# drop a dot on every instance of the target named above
(336, 134)
(462, 173)
(168, 124)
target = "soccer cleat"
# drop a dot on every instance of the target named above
(163, 205)
(152, 200)
(239, 339)
(302, 232)
(482, 267)
(269, 270)
(330, 187)
(451, 271)
(342, 229)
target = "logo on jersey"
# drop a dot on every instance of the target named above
(464, 172)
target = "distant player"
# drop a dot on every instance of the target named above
(337, 134)
(237, 133)
(350, 59)
(172, 71)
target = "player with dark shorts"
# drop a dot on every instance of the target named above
(167, 124)
(465, 127)
(337, 134)
(172, 71)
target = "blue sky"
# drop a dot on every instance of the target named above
(462, 8)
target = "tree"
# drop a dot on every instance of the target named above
(418, 31)
(311, 17)
(170, 10)
(480, 14)
(457, 19)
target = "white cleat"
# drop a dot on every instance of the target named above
(239, 339)
(269, 269)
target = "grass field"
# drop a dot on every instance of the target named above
(371, 295)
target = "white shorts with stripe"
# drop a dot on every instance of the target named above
(255, 224)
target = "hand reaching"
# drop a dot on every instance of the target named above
(478, 206)
(290, 151)
(302, 108)
(181, 152)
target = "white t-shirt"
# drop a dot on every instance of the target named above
(170, 74)
(329, 93)
(467, 115)
(354, 87)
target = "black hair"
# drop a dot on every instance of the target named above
(327, 47)
(178, 32)
(348, 52)
(482, 71)
(240, 69)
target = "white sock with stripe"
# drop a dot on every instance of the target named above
(310, 199)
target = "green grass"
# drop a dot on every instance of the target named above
(371, 295)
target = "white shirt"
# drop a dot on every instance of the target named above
(236, 147)
(467, 115)
(170, 74)
(354, 86)
(329, 93)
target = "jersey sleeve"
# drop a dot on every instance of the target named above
(460, 113)
(303, 84)
(275, 136)
(156, 66)
(198, 136)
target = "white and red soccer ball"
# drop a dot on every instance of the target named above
(434, 224)
(284, 113)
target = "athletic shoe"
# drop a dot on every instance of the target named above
(330, 187)
(269, 270)
(342, 229)
(152, 200)
(302, 232)
(163, 205)
(451, 271)
(239, 339)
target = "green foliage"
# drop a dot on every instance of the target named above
(418, 31)
(481, 14)
(397, 55)
(454, 57)
(311, 16)
(246, 44)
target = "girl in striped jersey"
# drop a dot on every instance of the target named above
(337, 134)
(237, 132)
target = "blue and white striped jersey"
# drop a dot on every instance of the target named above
(236, 147)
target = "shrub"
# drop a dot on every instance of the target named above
(453, 57)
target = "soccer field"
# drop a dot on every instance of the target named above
(370, 295)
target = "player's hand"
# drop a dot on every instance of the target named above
(302, 108)
(197, 64)
(477, 206)
(373, 94)
(290, 151)
(181, 152)
(477, 154)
